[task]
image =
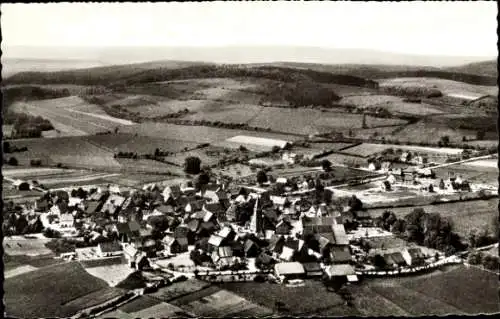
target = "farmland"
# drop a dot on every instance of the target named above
(49, 291)
(367, 149)
(446, 86)
(465, 216)
(452, 290)
(193, 133)
(311, 299)
(66, 116)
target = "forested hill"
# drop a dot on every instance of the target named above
(482, 73)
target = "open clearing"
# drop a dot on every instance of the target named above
(465, 216)
(391, 103)
(46, 291)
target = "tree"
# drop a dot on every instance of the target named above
(192, 165)
(6, 147)
(445, 140)
(480, 134)
(261, 177)
(379, 261)
(326, 165)
(355, 203)
(275, 149)
(13, 161)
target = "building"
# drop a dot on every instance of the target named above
(312, 269)
(394, 260)
(175, 245)
(289, 270)
(341, 272)
(108, 249)
(413, 256)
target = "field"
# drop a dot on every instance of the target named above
(179, 289)
(465, 216)
(112, 274)
(445, 86)
(473, 171)
(51, 291)
(137, 144)
(367, 149)
(224, 304)
(201, 153)
(391, 103)
(452, 290)
(18, 245)
(308, 121)
(197, 134)
(67, 117)
(311, 299)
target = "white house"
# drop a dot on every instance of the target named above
(108, 249)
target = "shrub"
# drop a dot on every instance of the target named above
(13, 161)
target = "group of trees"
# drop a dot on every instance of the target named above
(27, 126)
(15, 223)
(9, 148)
(488, 261)
(427, 229)
(412, 91)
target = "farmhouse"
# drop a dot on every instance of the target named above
(344, 272)
(260, 142)
(413, 256)
(289, 270)
(109, 249)
(175, 245)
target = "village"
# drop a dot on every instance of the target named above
(262, 228)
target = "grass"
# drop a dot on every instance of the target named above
(471, 290)
(161, 310)
(307, 300)
(44, 292)
(179, 289)
(224, 304)
(93, 299)
(197, 134)
(367, 149)
(25, 247)
(465, 216)
(138, 304)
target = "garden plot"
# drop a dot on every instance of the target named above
(19, 245)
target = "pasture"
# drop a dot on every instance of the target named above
(111, 274)
(47, 291)
(465, 216)
(179, 289)
(31, 247)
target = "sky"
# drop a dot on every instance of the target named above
(427, 28)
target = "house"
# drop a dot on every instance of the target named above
(108, 249)
(231, 212)
(92, 207)
(215, 242)
(130, 253)
(282, 180)
(127, 232)
(341, 272)
(276, 244)
(66, 221)
(251, 249)
(394, 260)
(391, 179)
(227, 233)
(405, 157)
(279, 201)
(289, 270)
(141, 261)
(317, 225)
(386, 166)
(413, 256)
(340, 235)
(215, 210)
(340, 254)
(194, 206)
(284, 227)
(175, 245)
(313, 269)
(41, 205)
(164, 210)
(206, 228)
(289, 157)
(264, 261)
(171, 192)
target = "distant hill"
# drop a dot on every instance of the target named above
(480, 68)
(239, 54)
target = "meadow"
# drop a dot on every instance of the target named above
(49, 291)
